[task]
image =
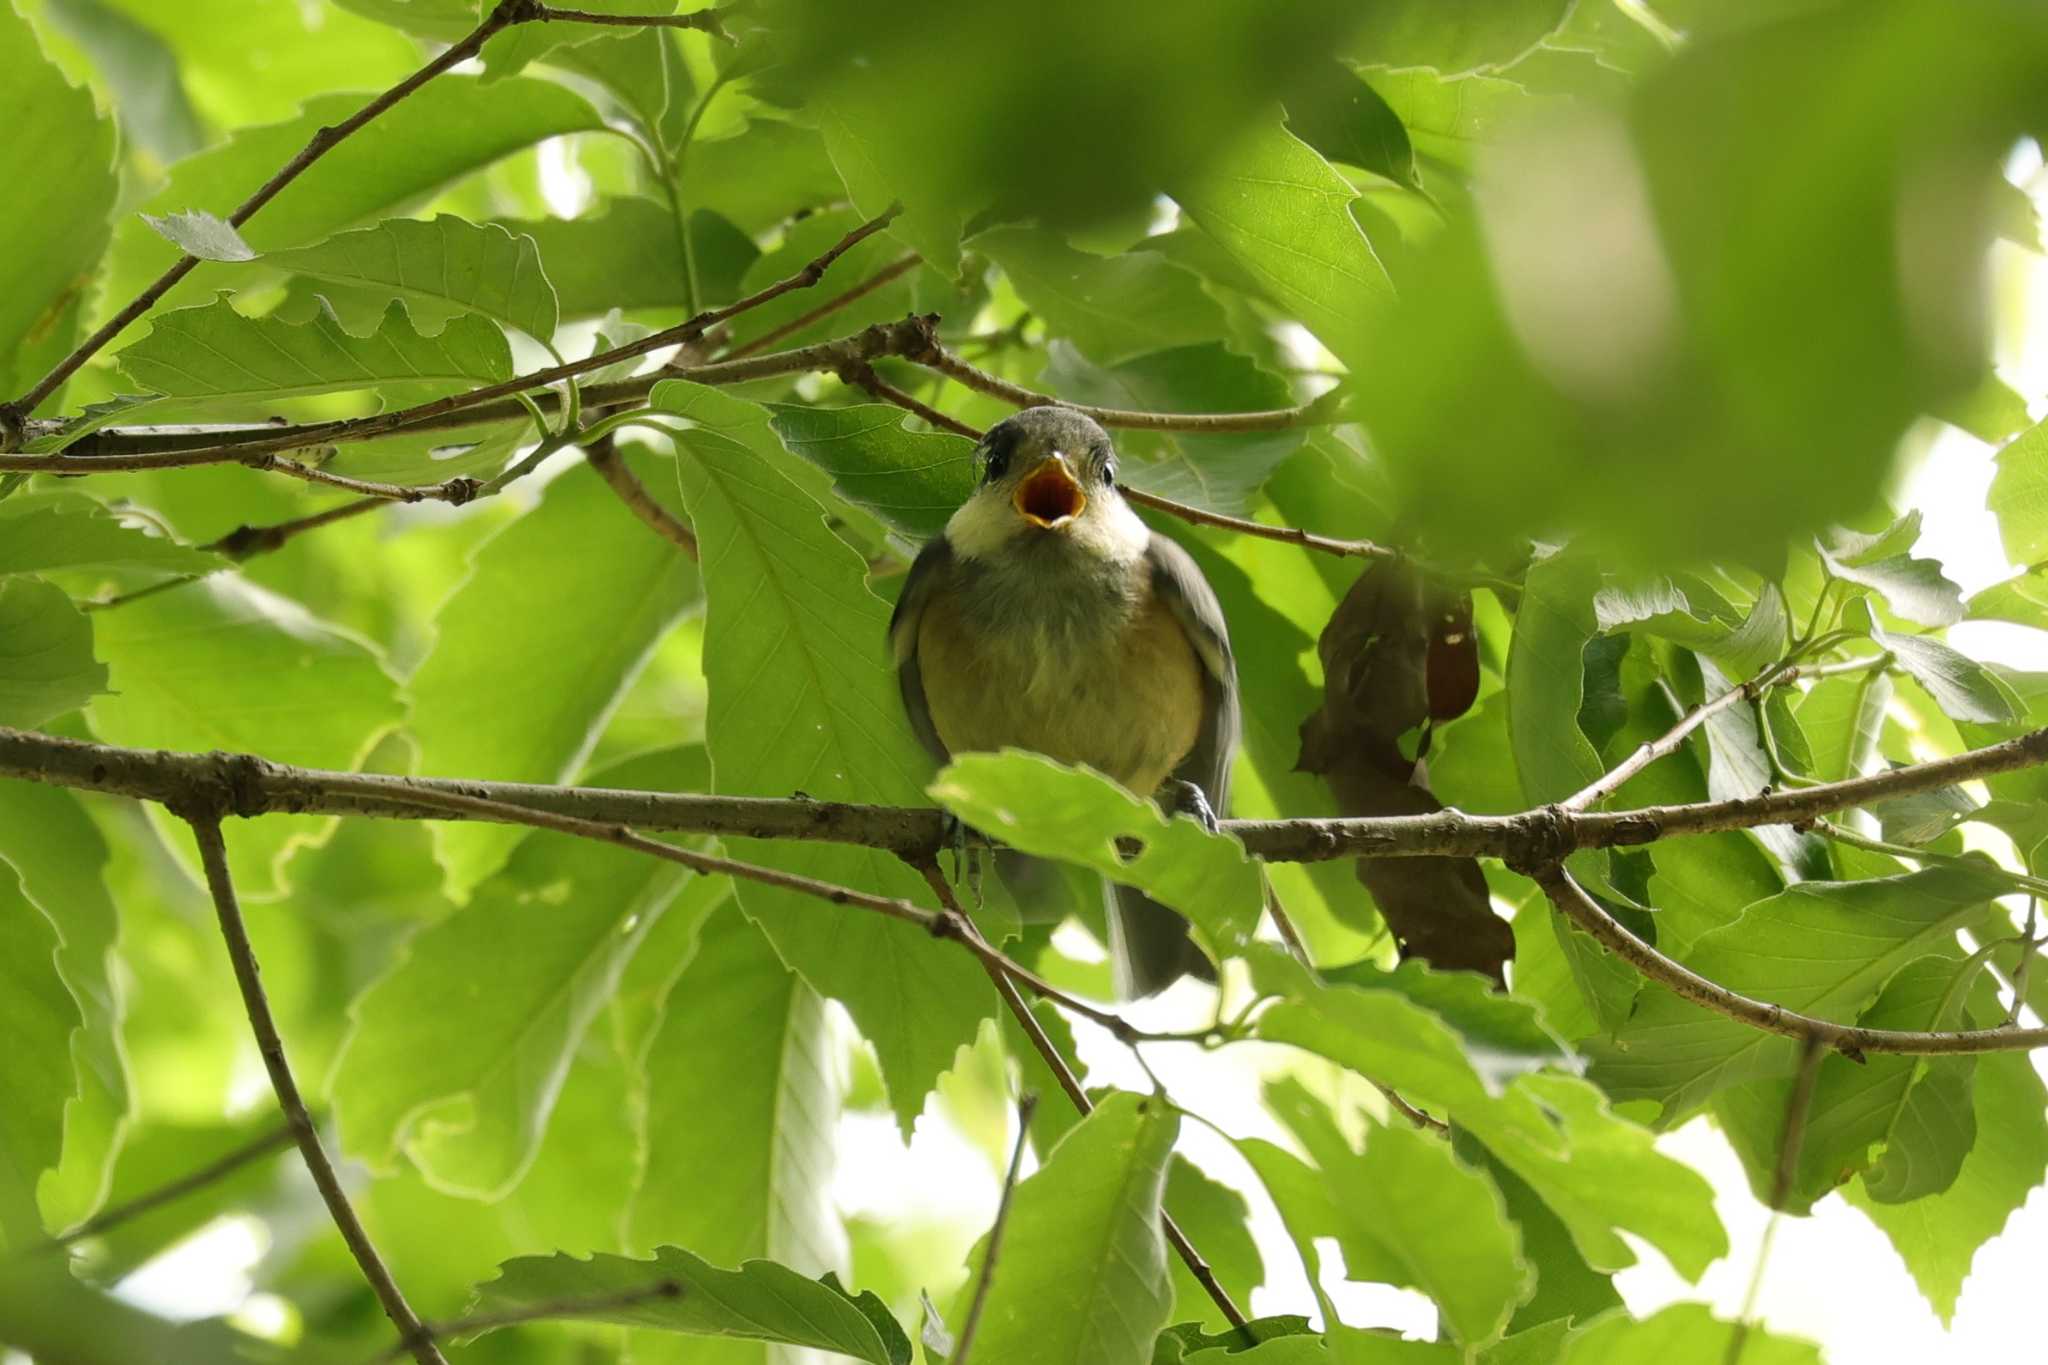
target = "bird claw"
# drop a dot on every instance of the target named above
(960, 839)
(1181, 797)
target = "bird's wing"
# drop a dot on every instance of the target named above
(1177, 580)
(932, 565)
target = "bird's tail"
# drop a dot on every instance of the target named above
(1150, 944)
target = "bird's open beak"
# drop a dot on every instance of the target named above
(1050, 495)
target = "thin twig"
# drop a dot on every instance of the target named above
(321, 143)
(1271, 419)
(704, 20)
(213, 856)
(863, 374)
(2028, 945)
(1006, 988)
(895, 270)
(1026, 1106)
(246, 542)
(248, 445)
(276, 1140)
(1797, 1106)
(1850, 1040)
(586, 1306)
(603, 457)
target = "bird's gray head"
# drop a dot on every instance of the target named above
(1048, 479)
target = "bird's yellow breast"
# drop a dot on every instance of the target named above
(1128, 703)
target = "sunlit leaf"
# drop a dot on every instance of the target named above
(47, 664)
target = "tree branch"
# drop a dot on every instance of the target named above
(896, 269)
(213, 856)
(322, 142)
(585, 1306)
(986, 1277)
(603, 457)
(704, 20)
(1576, 906)
(251, 785)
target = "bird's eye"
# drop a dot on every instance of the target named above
(996, 448)
(1108, 468)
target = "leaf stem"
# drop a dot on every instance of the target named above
(1026, 1106)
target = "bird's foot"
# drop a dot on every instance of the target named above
(965, 843)
(1181, 797)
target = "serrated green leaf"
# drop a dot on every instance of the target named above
(446, 264)
(2019, 496)
(1546, 684)
(440, 133)
(803, 243)
(215, 355)
(1346, 120)
(1683, 1334)
(1964, 689)
(913, 480)
(140, 72)
(522, 695)
(1410, 1214)
(222, 665)
(58, 143)
(46, 654)
(455, 1055)
(1916, 589)
(760, 1301)
(1468, 1002)
(41, 532)
(1113, 307)
(1076, 815)
(1822, 948)
(1082, 1279)
(60, 859)
(630, 256)
(1939, 1236)
(1284, 215)
(738, 1121)
(1450, 119)
(877, 173)
(39, 1018)
(801, 700)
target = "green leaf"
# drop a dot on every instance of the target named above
(1417, 33)
(878, 172)
(2019, 496)
(1843, 719)
(737, 1127)
(456, 1054)
(1346, 120)
(1489, 1021)
(1938, 1236)
(760, 1301)
(60, 859)
(214, 354)
(1222, 473)
(46, 654)
(507, 53)
(912, 480)
(1451, 120)
(1546, 680)
(1964, 689)
(140, 72)
(1412, 1215)
(222, 665)
(1822, 948)
(2021, 599)
(802, 700)
(630, 256)
(1081, 1279)
(442, 132)
(1284, 215)
(201, 234)
(1112, 307)
(58, 143)
(39, 1018)
(446, 264)
(1216, 1218)
(1683, 1334)
(41, 532)
(803, 243)
(1076, 815)
(523, 695)
(1917, 589)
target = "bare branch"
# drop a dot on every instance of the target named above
(1797, 1106)
(252, 785)
(213, 856)
(1271, 419)
(1610, 933)
(603, 456)
(986, 1276)
(704, 20)
(321, 143)
(895, 270)
(276, 1140)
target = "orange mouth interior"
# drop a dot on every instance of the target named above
(1049, 496)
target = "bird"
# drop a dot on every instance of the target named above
(1048, 616)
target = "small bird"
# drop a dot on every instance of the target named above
(1048, 617)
